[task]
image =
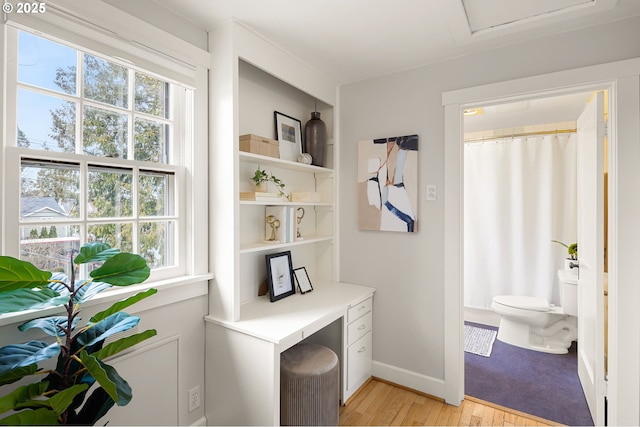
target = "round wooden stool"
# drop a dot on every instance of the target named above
(309, 386)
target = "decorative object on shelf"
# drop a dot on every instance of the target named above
(280, 275)
(261, 179)
(302, 277)
(298, 220)
(305, 196)
(315, 139)
(289, 136)
(260, 196)
(274, 224)
(305, 158)
(388, 184)
(259, 145)
(286, 221)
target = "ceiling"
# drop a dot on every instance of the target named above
(352, 40)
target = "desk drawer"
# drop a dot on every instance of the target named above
(359, 328)
(359, 362)
(359, 310)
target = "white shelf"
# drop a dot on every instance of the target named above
(263, 246)
(283, 203)
(285, 164)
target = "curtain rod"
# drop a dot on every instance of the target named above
(515, 135)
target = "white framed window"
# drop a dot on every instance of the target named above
(95, 151)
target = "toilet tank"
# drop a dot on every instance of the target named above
(568, 292)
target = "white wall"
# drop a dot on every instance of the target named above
(407, 270)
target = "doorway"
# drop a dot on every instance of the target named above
(621, 79)
(520, 194)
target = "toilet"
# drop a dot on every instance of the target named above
(533, 323)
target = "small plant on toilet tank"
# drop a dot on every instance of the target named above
(572, 249)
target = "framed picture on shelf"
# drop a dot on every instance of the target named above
(280, 275)
(289, 136)
(302, 277)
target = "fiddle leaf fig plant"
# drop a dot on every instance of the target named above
(81, 387)
(572, 249)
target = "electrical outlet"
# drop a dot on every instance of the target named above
(194, 398)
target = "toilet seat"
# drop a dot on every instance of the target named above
(523, 302)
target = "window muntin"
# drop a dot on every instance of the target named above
(125, 115)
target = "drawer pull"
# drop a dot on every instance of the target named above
(362, 307)
(362, 350)
(361, 327)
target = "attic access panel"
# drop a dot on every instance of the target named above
(486, 14)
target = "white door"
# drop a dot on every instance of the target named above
(591, 131)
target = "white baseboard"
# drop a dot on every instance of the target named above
(410, 379)
(484, 317)
(201, 422)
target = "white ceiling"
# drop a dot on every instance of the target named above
(354, 40)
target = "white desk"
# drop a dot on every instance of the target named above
(243, 357)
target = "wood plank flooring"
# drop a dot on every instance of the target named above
(380, 403)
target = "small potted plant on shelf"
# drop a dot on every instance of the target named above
(572, 251)
(261, 180)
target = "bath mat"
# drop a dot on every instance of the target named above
(479, 341)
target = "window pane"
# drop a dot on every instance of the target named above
(105, 133)
(49, 248)
(150, 139)
(45, 122)
(152, 96)
(49, 190)
(46, 64)
(109, 193)
(154, 194)
(156, 243)
(106, 82)
(117, 235)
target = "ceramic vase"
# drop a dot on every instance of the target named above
(315, 139)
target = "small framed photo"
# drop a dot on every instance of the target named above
(302, 277)
(289, 136)
(280, 275)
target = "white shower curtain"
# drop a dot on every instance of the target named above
(519, 194)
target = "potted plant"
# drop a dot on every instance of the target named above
(81, 388)
(572, 251)
(261, 179)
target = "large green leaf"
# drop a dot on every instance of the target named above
(59, 402)
(89, 289)
(118, 322)
(17, 355)
(96, 406)
(25, 393)
(54, 326)
(30, 299)
(38, 417)
(97, 251)
(108, 378)
(121, 305)
(123, 269)
(124, 343)
(17, 274)
(16, 374)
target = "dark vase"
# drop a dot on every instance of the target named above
(315, 139)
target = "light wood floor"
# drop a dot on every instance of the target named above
(380, 403)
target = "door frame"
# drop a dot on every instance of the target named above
(622, 79)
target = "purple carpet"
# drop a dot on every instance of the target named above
(541, 384)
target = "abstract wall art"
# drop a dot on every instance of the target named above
(388, 184)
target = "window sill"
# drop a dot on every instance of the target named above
(169, 291)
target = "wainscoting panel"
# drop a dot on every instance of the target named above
(152, 373)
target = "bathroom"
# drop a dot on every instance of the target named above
(520, 197)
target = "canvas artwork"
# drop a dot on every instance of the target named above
(388, 184)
